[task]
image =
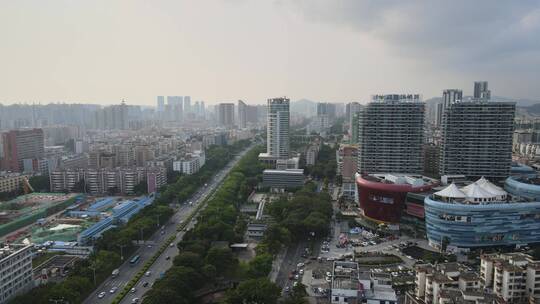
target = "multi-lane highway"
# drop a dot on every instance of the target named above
(152, 245)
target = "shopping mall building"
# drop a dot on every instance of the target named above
(382, 196)
(483, 214)
(462, 214)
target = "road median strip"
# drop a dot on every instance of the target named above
(171, 239)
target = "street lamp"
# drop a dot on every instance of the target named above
(121, 251)
(94, 271)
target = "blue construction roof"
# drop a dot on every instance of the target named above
(97, 227)
(101, 204)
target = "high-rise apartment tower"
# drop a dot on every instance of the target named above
(277, 137)
(477, 138)
(390, 133)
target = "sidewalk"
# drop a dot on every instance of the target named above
(276, 265)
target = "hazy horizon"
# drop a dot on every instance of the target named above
(101, 52)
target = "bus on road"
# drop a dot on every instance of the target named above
(134, 260)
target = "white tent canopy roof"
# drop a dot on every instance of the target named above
(476, 191)
(452, 191)
(489, 186)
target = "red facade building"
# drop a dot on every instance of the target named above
(19, 145)
(382, 196)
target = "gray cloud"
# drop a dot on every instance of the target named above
(465, 33)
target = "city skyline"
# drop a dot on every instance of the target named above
(282, 151)
(331, 53)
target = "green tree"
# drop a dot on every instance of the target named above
(444, 243)
(254, 291)
(260, 266)
(298, 295)
(141, 188)
(276, 236)
(209, 271)
(40, 183)
(221, 258)
(188, 259)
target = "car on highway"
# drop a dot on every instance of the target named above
(148, 273)
(101, 294)
(113, 290)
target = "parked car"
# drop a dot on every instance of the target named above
(113, 290)
(101, 294)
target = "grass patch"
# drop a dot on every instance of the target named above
(428, 256)
(369, 259)
(41, 258)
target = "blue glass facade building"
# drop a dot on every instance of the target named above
(523, 186)
(479, 225)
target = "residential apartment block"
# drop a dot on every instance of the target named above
(477, 139)
(105, 181)
(390, 135)
(10, 182)
(503, 278)
(15, 270)
(191, 163)
(513, 276)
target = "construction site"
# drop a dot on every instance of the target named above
(49, 219)
(28, 209)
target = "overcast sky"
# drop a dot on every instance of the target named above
(224, 50)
